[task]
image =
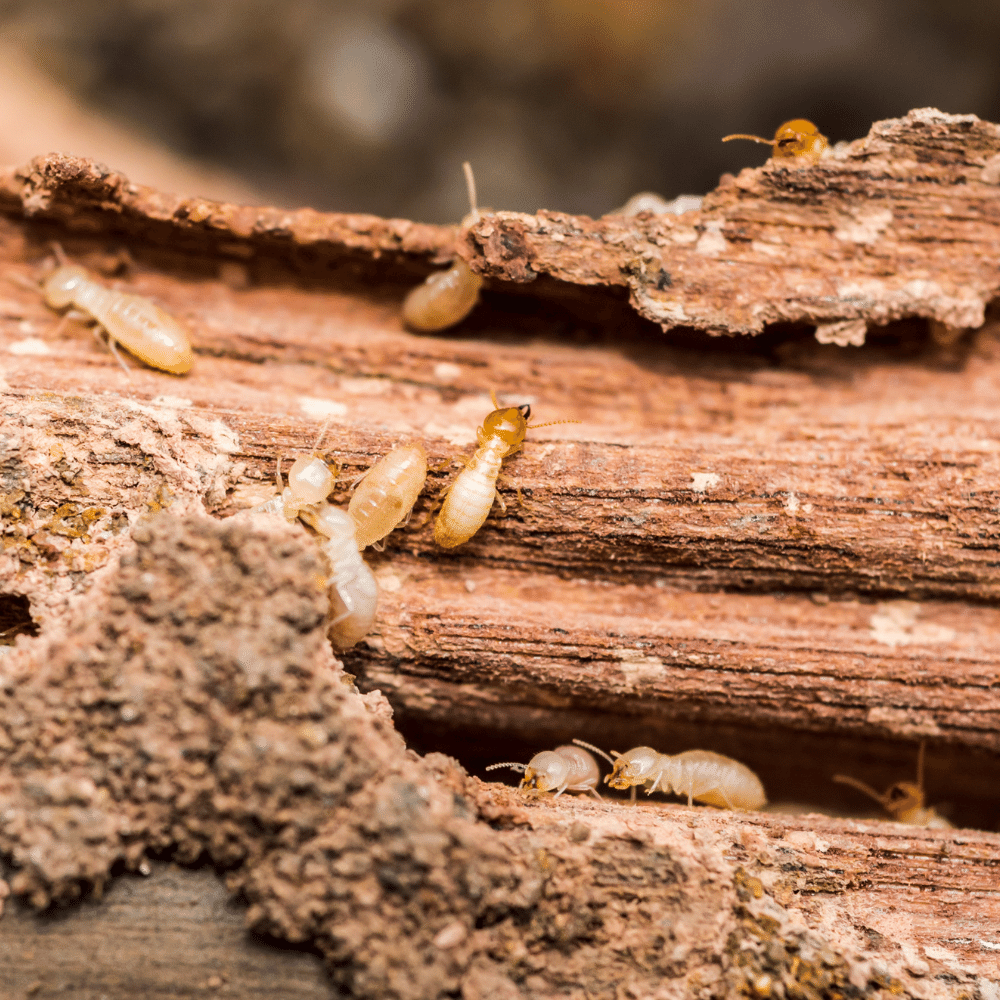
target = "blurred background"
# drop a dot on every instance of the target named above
(565, 104)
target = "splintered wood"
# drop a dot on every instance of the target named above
(769, 546)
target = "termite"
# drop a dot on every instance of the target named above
(565, 769)
(310, 482)
(387, 493)
(141, 327)
(795, 138)
(446, 297)
(650, 201)
(353, 589)
(470, 497)
(903, 801)
(699, 774)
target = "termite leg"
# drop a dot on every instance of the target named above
(499, 500)
(114, 350)
(359, 478)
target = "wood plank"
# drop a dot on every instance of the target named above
(175, 933)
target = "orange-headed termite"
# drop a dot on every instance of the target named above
(565, 769)
(141, 327)
(470, 497)
(796, 138)
(446, 297)
(699, 774)
(387, 493)
(903, 801)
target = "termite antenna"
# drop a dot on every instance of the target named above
(322, 432)
(277, 472)
(470, 184)
(752, 138)
(552, 423)
(20, 279)
(590, 746)
(520, 768)
(844, 779)
(61, 257)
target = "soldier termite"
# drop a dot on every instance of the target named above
(141, 327)
(446, 297)
(903, 801)
(565, 769)
(387, 493)
(699, 774)
(796, 138)
(470, 497)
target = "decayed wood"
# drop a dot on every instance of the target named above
(655, 583)
(176, 933)
(905, 222)
(192, 706)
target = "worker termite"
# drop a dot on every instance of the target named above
(141, 327)
(795, 138)
(699, 774)
(470, 497)
(310, 482)
(387, 493)
(446, 297)
(353, 589)
(903, 801)
(565, 769)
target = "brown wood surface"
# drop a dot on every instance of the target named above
(776, 548)
(905, 222)
(175, 933)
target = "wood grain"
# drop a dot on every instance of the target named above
(175, 933)
(771, 547)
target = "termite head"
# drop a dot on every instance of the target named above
(903, 801)
(310, 479)
(59, 287)
(903, 798)
(509, 424)
(796, 138)
(633, 768)
(334, 523)
(545, 772)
